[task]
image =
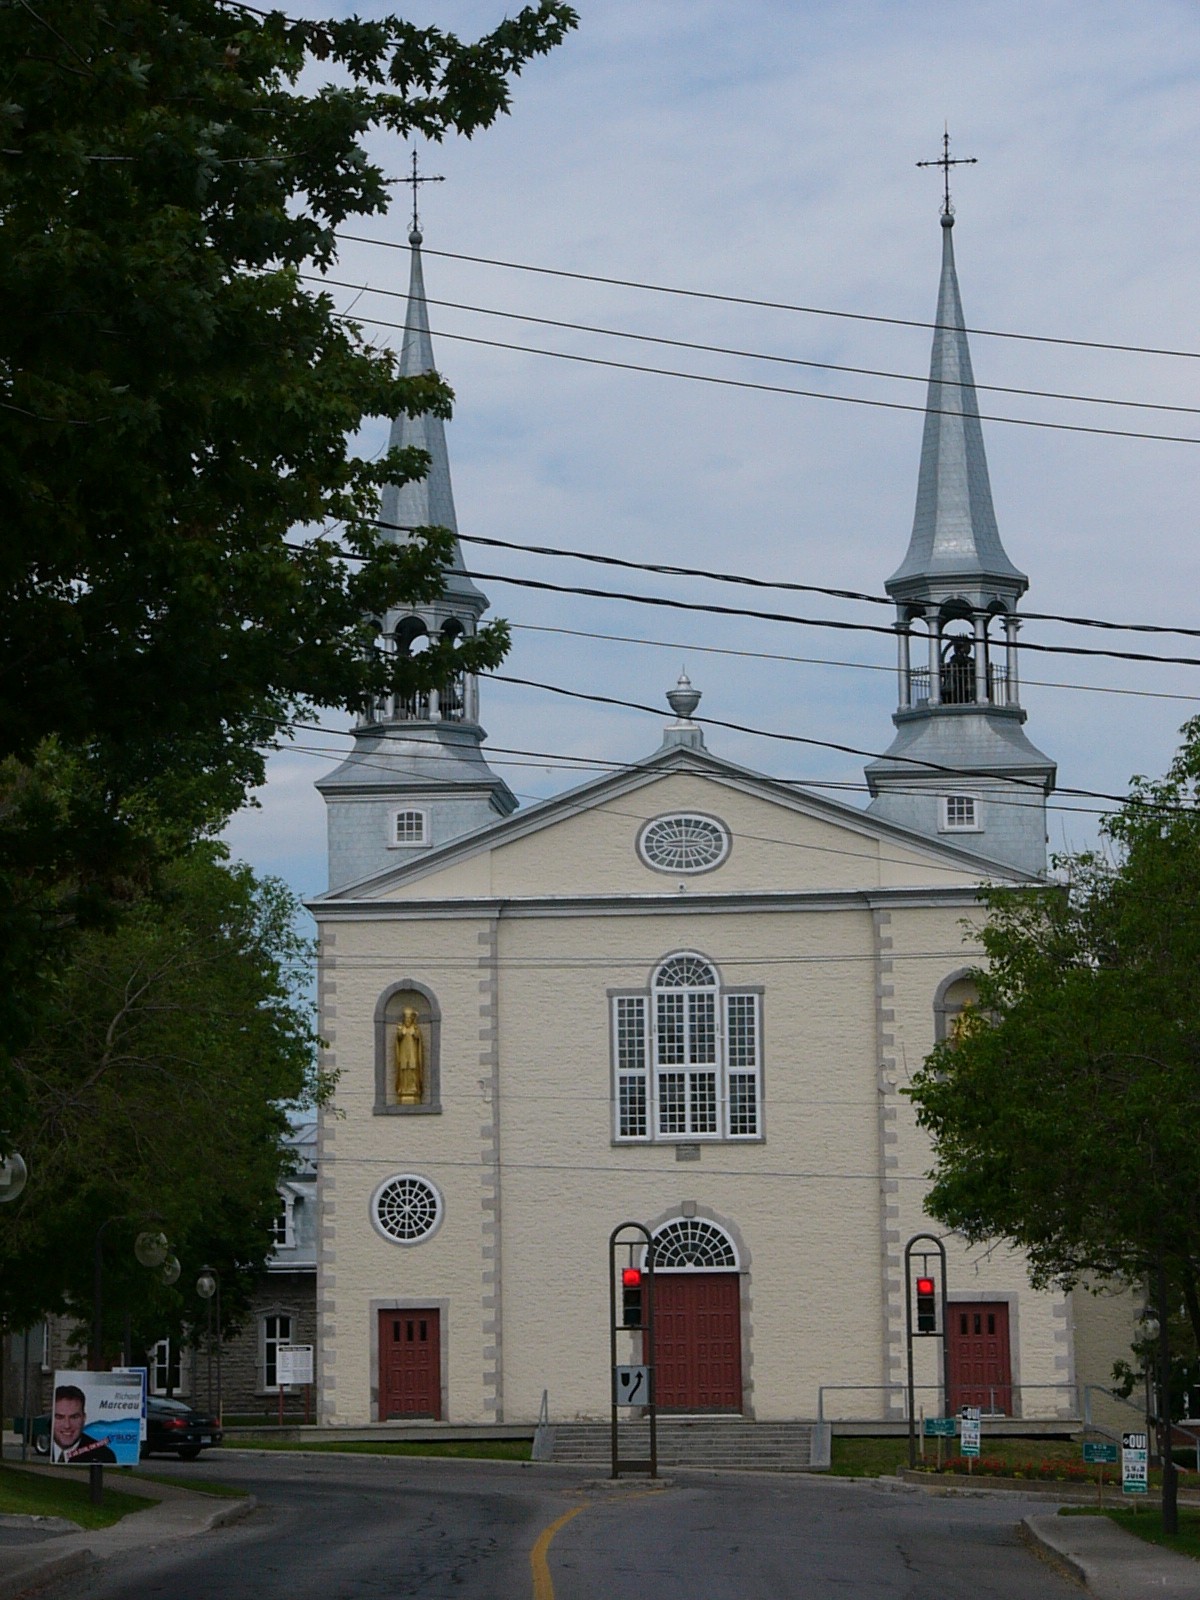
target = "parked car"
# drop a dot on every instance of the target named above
(171, 1429)
(175, 1429)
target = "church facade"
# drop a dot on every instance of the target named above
(684, 994)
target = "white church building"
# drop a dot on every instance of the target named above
(684, 994)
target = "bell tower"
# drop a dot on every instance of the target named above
(960, 766)
(416, 776)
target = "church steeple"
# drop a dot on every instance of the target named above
(417, 775)
(960, 762)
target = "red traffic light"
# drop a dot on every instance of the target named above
(924, 1285)
(631, 1277)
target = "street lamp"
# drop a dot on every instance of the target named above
(150, 1248)
(13, 1176)
(208, 1287)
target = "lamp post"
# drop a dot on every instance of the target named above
(150, 1248)
(13, 1173)
(208, 1287)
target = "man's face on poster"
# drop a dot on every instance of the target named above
(68, 1422)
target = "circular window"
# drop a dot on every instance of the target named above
(406, 1209)
(686, 843)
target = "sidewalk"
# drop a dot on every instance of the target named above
(25, 1567)
(1110, 1563)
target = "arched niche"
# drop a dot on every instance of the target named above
(958, 990)
(407, 995)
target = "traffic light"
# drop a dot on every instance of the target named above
(926, 1306)
(631, 1297)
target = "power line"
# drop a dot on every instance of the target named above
(808, 622)
(670, 570)
(725, 610)
(781, 388)
(774, 305)
(825, 661)
(745, 355)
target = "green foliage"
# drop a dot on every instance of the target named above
(174, 400)
(1065, 1121)
(155, 1085)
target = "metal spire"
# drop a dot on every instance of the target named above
(945, 161)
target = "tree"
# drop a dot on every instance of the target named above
(158, 1085)
(175, 399)
(1065, 1113)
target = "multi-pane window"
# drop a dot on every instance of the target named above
(409, 828)
(276, 1330)
(687, 1057)
(959, 811)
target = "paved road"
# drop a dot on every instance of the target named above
(373, 1528)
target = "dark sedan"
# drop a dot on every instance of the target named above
(175, 1429)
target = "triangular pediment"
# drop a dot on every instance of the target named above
(782, 838)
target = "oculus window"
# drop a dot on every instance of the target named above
(686, 842)
(406, 1209)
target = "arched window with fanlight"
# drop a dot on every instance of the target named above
(687, 1056)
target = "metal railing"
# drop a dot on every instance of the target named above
(997, 688)
(897, 1409)
(543, 1434)
(1187, 1425)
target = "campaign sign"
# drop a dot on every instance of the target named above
(97, 1419)
(1135, 1463)
(144, 1374)
(970, 1431)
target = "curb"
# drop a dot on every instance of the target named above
(225, 1516)
(1050, 1554)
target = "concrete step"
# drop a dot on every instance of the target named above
(713, 1442)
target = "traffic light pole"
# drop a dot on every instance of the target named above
(927, 1320)
(632, 1312)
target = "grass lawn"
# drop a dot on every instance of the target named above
(36, 1495)
(1147, 1524)
(875, 1458)
(467, 1449)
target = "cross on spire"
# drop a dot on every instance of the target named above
(945, 161)
(415, 181)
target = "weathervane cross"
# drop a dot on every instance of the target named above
(945, 161)
(415, 181)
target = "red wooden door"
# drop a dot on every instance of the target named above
(980, 1363)
(410, 1365)
(698, 1341)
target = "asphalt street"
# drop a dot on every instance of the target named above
(345, 1527)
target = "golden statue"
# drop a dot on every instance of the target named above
(410, 1060)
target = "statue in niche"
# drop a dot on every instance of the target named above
(409, 1057)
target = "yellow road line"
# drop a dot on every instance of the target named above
(543, 1587)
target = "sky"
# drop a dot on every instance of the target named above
(768, 151)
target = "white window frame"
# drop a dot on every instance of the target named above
(689, 1072)
(947, 824)
(269, 1342)
(413, 812)
(286, 1215)
(162, 1357)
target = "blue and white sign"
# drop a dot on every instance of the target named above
(97, 1419)
(970, 1429)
